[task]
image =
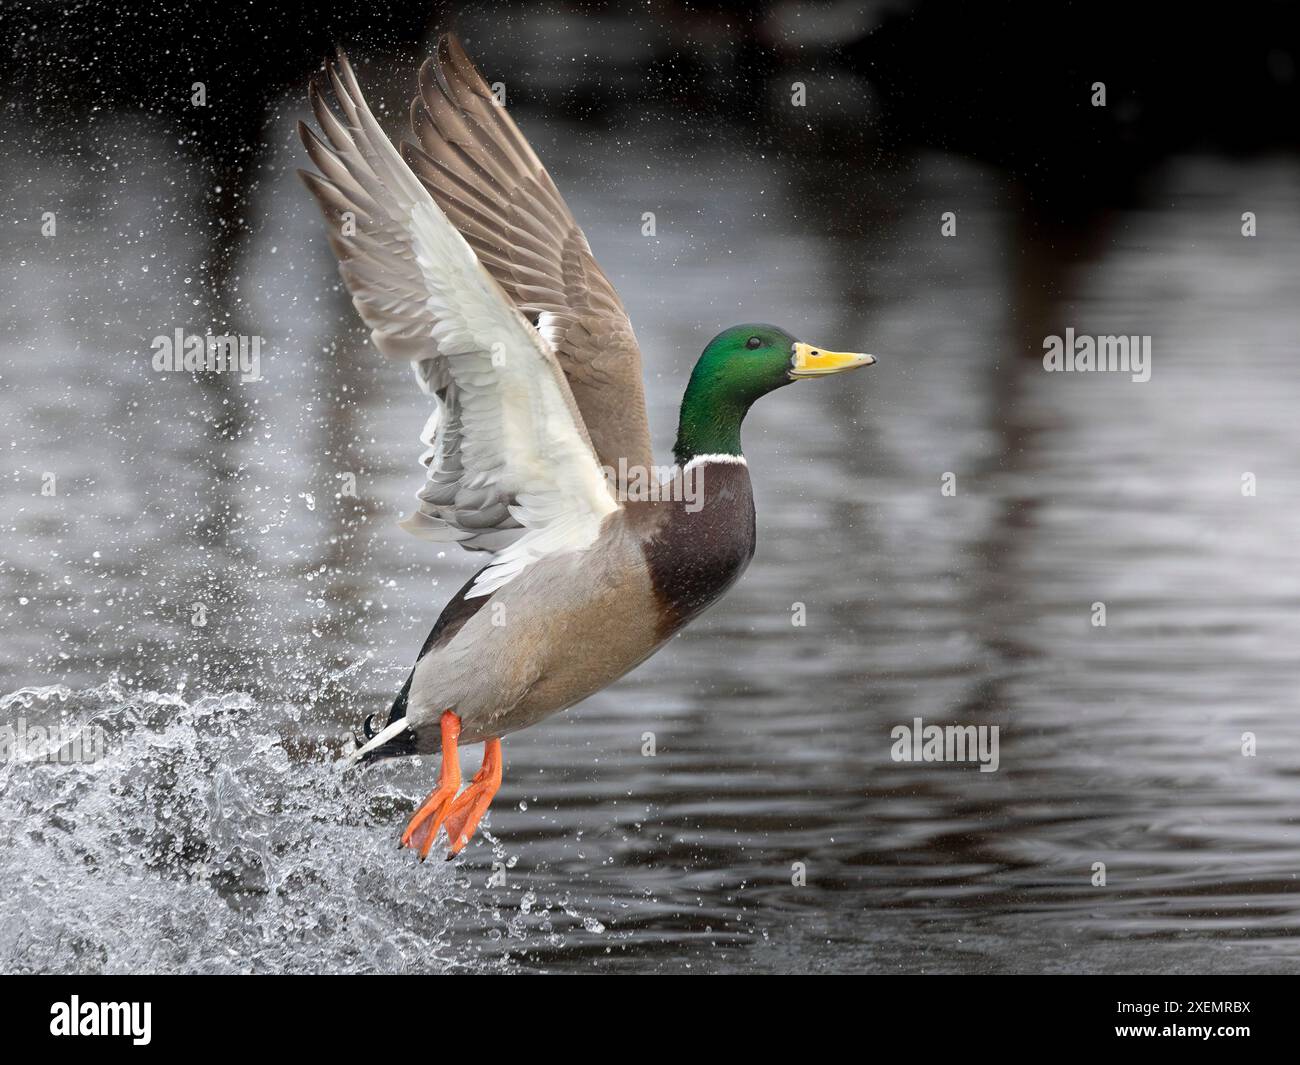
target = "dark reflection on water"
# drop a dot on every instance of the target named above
(217, 834)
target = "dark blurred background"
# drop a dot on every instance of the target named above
(1008, 85)
(216, 835)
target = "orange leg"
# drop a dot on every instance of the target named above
(468, 810)
(423, 827)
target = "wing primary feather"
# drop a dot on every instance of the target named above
(510, 465)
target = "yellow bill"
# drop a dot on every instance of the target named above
(810, 361)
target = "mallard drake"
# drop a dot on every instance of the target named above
(463, 260)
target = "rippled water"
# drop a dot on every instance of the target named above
(217, 832)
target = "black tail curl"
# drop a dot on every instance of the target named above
(400, 745)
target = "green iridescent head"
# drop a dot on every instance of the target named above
(739, 365)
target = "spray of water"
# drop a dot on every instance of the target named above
(200, 840)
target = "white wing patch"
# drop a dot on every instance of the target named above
(510, 465)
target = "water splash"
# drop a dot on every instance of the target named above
(204, 841)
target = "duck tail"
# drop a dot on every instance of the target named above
(374, 749)
(394, 741)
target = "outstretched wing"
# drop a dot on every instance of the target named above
(511, 466)
(489, 182)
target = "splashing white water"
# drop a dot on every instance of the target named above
(199, 843)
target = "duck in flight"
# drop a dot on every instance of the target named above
(463, 260)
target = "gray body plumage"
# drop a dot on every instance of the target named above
(572, 624)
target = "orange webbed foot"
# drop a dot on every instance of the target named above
(465, 813)
(423, 827)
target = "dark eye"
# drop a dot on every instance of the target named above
(753, 342)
